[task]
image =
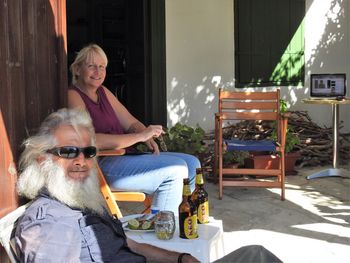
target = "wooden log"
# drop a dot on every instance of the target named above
(316, 144)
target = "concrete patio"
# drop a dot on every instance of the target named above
(311, 225)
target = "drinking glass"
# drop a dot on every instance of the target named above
(164, 225)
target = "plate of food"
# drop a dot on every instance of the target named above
(138, 222)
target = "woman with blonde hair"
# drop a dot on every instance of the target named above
(156, 173)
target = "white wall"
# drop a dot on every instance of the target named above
(327, 50)
(200, 57)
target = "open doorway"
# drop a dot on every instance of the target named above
(123, 29)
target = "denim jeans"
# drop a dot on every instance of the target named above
(158, 175)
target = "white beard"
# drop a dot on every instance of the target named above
(84, 195)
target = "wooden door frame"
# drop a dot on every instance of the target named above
(155, 67)
(155, 100)
(62, 51)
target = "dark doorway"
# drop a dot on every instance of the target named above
(128, 32)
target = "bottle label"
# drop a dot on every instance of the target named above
(154, 210)
(199, 179)
(190, 227)
(186, 190)
(203, 213)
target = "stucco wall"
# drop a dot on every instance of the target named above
(200, 57)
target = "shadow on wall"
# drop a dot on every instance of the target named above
(192, 102)
(323, 48)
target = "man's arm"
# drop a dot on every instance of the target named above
(47, 240)
(157, 254)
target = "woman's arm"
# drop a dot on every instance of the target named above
(127, 120)
(74, 100)
(118, 141)
(130, 124)
(157, 254)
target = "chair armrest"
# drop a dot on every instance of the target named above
(112, 152)
(284, 119)
(285, 115)
(129, 196)
(282, 133)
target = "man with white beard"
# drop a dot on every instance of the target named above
(67, 220)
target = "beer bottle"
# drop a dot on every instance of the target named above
(187, 214)
(200, 198)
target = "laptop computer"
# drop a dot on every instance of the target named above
(328, 86)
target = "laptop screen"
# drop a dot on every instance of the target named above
(328, 85)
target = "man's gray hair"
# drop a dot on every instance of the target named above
(37, 145)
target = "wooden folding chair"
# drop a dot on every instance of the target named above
(7, 225)
(254, 106)
(112, 196)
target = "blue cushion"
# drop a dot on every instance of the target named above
(250, 145)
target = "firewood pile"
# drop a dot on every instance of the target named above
(316, 143)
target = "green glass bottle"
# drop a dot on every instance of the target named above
(187, 214)
(200, 198)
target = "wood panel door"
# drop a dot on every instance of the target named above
(33, 79)
(8, 177)
(132, 33)
(8, 197)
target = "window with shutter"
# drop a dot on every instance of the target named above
(269, 42)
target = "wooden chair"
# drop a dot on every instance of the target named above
(7, 226)
(254, 106)
(112, 196)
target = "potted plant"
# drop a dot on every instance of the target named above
(181, 138)
(234, 159)
(271, 160)
(292, 139)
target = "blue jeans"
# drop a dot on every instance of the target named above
(158, 175)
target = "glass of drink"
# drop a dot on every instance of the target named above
(164, 225)
(154, 210)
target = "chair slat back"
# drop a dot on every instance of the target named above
(249, 105)
(247, 95)
(268, 116)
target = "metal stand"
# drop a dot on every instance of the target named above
(335, 171)
(330, 172)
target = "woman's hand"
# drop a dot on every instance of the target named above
(152, 131)
(153, 146)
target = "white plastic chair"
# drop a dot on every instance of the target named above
(7, 224)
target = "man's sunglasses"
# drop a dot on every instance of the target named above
(71, 152)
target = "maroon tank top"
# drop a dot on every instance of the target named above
(102, 114)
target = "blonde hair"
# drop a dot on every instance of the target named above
(84, 55)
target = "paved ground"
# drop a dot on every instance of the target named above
(311, 225)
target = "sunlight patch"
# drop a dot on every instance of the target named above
(216, 80)
(199, 89)
(326, 228)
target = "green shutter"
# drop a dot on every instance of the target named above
(269, 42)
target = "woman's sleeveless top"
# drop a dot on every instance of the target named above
(102, 114)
